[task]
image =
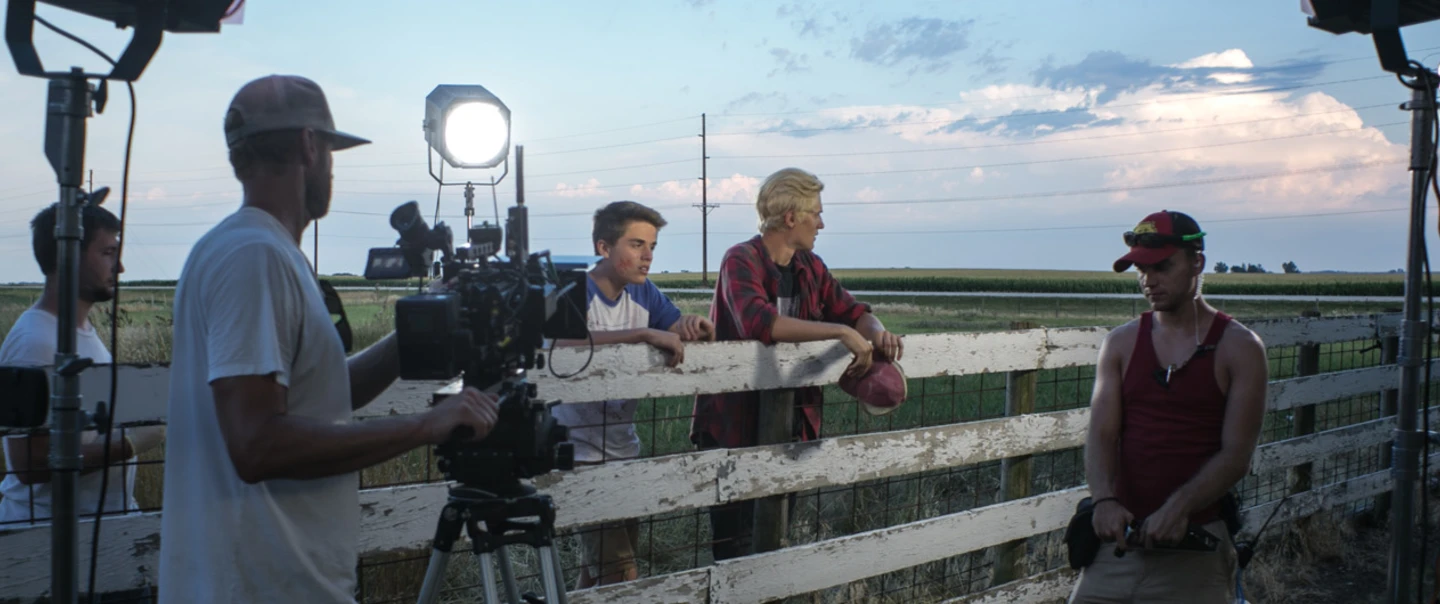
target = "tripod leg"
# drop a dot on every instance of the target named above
(446, 532)
(550, 574)
(487, 579)
(507, 574)
(434, 576)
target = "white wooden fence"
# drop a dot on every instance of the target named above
(403, 518)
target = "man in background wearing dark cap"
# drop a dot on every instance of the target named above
(1174, 419)
(261, 498)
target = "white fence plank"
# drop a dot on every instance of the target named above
(815, 566)
(129, 556)
(761, 471)
(684, 587)
(1044, 587)
(1289, 393)
(638, 371)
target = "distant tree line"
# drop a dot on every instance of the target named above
(1221, 267)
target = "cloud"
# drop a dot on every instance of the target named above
(1115, 73)
(808, 19)
(928, 43)
(789, 62)
(736, 188)
(1110, 122)
(698, 4)
(755, 98)
(589, 188)
(990, 62)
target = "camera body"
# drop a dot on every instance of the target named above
(488, 328)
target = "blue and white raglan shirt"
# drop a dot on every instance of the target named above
(605, 431)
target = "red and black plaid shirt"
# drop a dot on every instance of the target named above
(747, 286)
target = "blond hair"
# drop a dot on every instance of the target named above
(789, 190)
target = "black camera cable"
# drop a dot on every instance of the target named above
(114, 305)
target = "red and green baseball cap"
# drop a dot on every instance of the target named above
(1158, 236)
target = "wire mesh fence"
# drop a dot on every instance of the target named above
(682, 540)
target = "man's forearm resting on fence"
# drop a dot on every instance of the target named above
(30, 454)
(643, 335)
(789, 329)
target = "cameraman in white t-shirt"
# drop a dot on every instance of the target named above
(31, 342)
(262, 470)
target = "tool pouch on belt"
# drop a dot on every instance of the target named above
(1080, 539)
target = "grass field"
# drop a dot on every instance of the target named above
(678, 541)
(1042, 281)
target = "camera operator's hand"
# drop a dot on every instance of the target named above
(667, 341)
(471, 409)
(694, 328)
(860, 347)
(1166, 526)
(1109, 520)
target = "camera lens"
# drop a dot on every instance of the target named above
(406, 219)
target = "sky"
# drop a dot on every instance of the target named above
(955, 134)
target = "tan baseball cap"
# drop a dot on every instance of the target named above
(283, 102)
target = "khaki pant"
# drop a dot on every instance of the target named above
(610, 549)
(1160, 576)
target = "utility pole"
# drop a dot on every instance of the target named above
(92, 184)
(705, 207)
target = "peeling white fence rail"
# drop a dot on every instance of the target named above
(402, 518)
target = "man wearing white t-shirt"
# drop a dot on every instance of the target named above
(31, 342)
(261, 473)
(623, 307)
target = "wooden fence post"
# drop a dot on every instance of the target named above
(1389, 405)
(1015, 472)
(1307, 363)
(776, 425)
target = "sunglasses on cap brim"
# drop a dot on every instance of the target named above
(1154, 240)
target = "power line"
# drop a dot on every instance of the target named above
(1077, 192)
(615, 146)
(1072, 139)
(1181, 98)
(1110, 226)
(1112, 155)
(636, 127)
(631, 167)
(1045, 94)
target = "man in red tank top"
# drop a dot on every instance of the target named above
(1174, 419)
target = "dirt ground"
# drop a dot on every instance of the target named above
(1330, 559)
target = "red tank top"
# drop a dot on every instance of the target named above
(1167, 433)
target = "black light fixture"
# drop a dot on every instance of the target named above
(1380, 19)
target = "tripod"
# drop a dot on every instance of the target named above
(501, 510)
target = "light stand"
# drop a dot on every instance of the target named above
(68, 105)
(1383, 20)
(1414, 338)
